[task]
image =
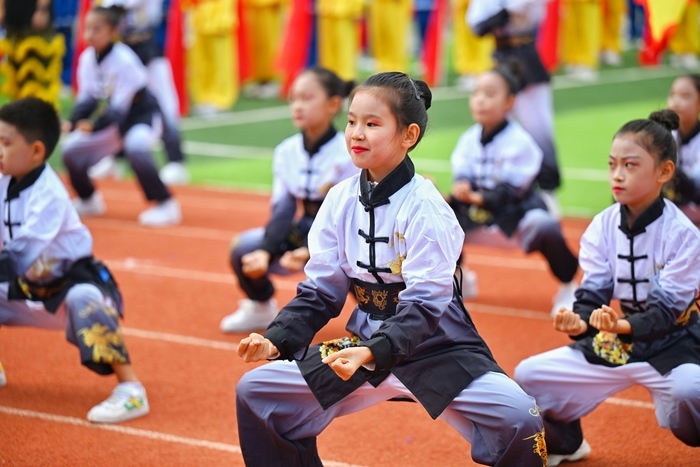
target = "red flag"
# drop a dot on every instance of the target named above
(432, 45)
(83, 8)
(175, 52)
(662, 19)
(548, 37)
(296, 42)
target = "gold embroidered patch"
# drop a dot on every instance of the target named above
(684, 318)
(395, 264)
(608, 346)
(334, 345)
(540, 446)
(479, 214)
(361, 294)
(379, 298)
(107, 347)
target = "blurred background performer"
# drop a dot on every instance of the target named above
(514, 24)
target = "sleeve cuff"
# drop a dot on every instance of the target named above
(381, 351)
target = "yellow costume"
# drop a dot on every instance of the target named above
(212, 56)
(389, 23)
(33, 66)
(263, 23)
(686, 40)
(580, 27)
(613, 13)
(338, 36)
(472, 54)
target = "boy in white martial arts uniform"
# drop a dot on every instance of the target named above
(48, 277)
(112, 88)
(514, 24)
(494, 167)
(644, 252)
(388, 234)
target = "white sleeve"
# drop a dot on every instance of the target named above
(593, 258)
(83, 76)
(459, 159)
(43, 222)
(481, 10)
(127, 82)
(521, 163)
(279, 187)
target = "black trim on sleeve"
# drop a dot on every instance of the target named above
(380, 346)
(498, 20)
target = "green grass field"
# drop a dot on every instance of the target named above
(235, 149)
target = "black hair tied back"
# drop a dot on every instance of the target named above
(513, 74)
(667, 118)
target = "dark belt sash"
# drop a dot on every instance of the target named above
(377, 300)
(514, 41)
(311, 207)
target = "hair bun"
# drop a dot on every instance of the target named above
(425, 93)
(666, 117)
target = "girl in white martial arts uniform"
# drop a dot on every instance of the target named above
(644, 252)
(305, 166)
(48, 276)
(389, 234)
(494, 167)
(684, 189)
(514, 24)
(110, 75)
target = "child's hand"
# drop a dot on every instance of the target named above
(255, 348)
(347, 361)
(569, 322)
(462, 191)
(295, 260)
(84, 125)
(255, 264)
(604, 319)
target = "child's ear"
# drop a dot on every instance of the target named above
(411, 135)
(38, 151)
(668, 168)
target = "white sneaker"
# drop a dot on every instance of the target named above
(3, 378)
(565, 297)
(125, 403)
(580, 453)
(92, 207)
(250, 316)
(105, 168)
(610, 57)
(582, 73)
(174, 173)
(470, 285)
(162, 215)
(550, 200)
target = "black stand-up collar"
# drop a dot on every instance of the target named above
(486, 138)
(685, 139)
(649, 215)
(15, 187)
(316, 147)
(380, 194)
(102, 55)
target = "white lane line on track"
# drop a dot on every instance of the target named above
(138, 432)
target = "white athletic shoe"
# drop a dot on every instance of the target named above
(3, 378)
(611, 58)
(582, 73)
(565, 297)
(250, 316)
(125, 403)
(470, 285)
(105, 168)
(92, 207)
(580, 453)
(162, 215)
(174, 173)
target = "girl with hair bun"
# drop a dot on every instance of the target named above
(644, 252)
(304, 166)
(494, 168)
(388, 235)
